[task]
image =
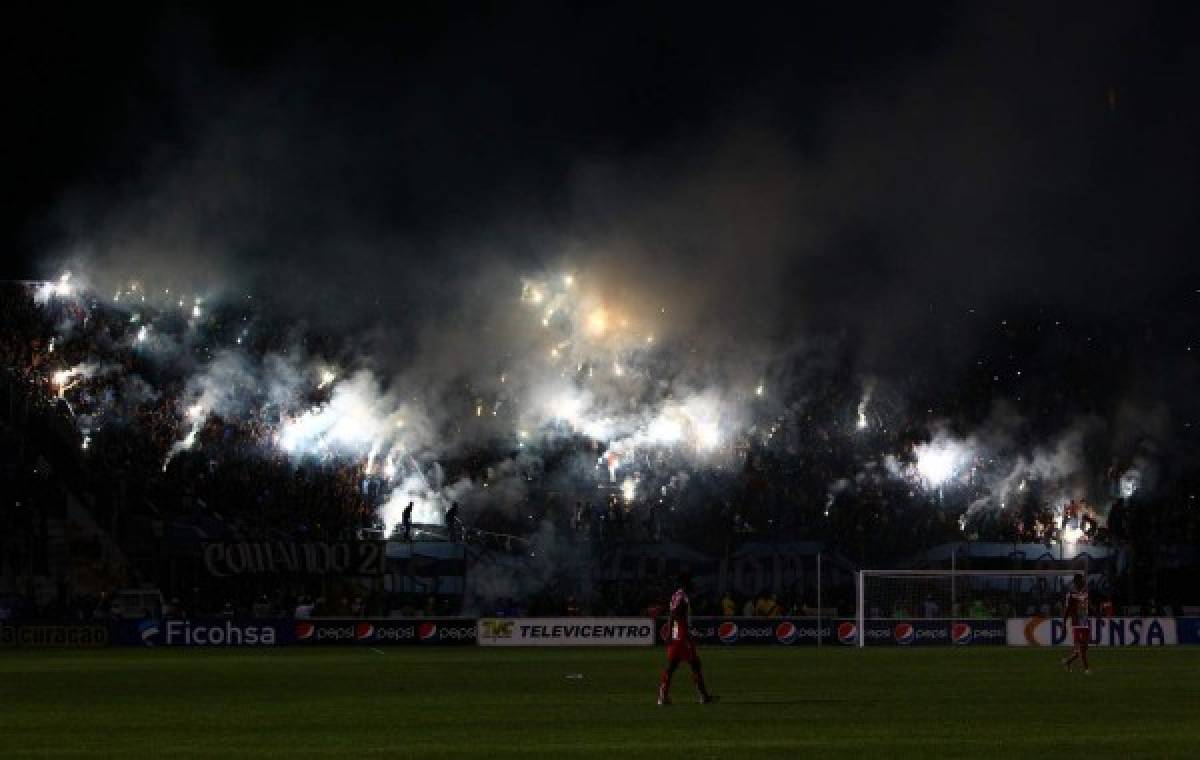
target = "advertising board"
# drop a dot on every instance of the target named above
(55, 635)
(1104, 632)
(1188, 630)
(729, 631)
(566, 632)
(390, 631)
(203, 632)
(906, 633)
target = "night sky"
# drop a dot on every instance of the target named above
(904, 175)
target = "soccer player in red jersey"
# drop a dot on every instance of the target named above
(680, 646)
(1076, 616)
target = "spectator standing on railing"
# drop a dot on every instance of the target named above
(406, 521)
(452, 522)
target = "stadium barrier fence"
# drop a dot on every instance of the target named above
(533, 632)
(270, 632)
(798, 631)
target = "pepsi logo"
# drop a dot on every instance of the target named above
(727, 632)
(364, 631)
(304, 631)
(847, 633)
(786, 632)
(904, 633)
(962, 633)
(426, 631)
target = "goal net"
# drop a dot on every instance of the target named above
(887, 597)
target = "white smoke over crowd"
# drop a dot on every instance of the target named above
(560, 364)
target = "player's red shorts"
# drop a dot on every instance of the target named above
(1081, 635)
(682, 650)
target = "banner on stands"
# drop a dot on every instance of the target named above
(1103, 632)
(224, 560)
(566, 632)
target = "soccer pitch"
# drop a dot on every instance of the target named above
(410, 702)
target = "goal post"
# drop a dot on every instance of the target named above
(955, 595)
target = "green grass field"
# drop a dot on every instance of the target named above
(487, 703)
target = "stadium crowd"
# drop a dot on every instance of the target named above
(109, 435)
